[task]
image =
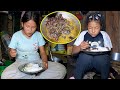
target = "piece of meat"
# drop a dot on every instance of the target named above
(71, 38)
(67, 32)
(58, 25)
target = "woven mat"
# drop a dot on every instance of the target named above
(116, 66)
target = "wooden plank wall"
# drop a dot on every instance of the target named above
(113, 28)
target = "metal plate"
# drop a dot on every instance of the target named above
(63, 38)
(96, 52)
(21, 68)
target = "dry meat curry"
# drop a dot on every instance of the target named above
(59, 28)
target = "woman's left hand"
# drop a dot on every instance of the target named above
(45, 64)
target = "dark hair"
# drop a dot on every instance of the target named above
(95, 16)
(31, 15)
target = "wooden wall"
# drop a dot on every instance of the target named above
(113, 28)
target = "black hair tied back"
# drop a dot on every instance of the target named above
(95, 16)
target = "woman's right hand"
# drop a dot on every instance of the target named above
(45, 64)
(84, 45)
(13, 52)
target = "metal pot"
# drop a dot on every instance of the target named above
(115, 56)
(56, 59)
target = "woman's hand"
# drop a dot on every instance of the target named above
(45, 64)
(43, 56)
(13, 52)
(84, 45)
